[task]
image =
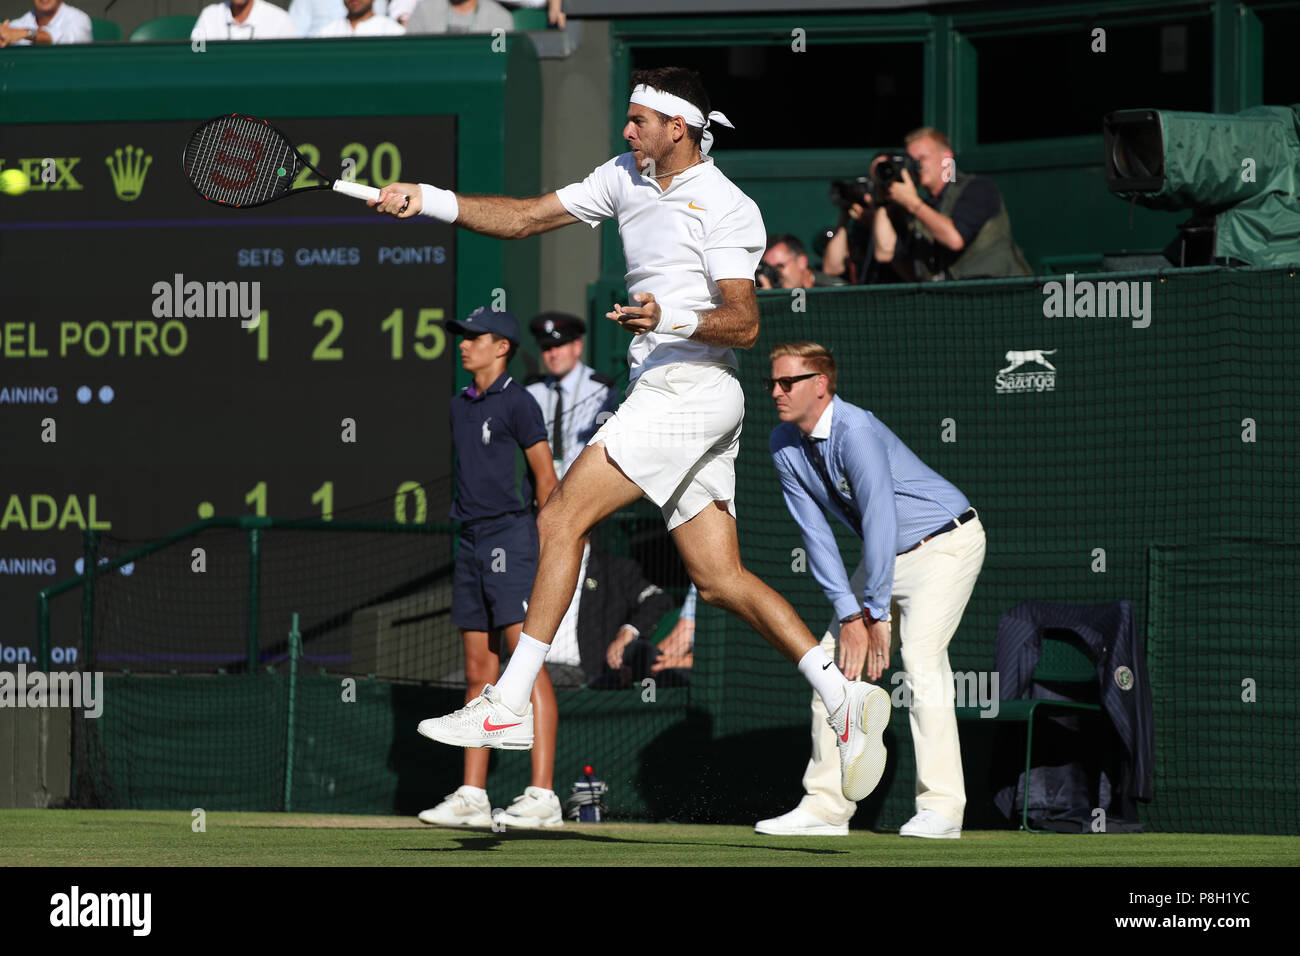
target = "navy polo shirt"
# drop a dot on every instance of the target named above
(488, 430)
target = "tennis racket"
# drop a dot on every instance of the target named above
(242, 161)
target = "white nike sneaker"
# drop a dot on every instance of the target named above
(461, 809)
(932, 825)
(533, 808)
(483, 722)
(859, 724)
(799, 822)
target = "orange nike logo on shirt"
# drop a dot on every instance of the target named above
(693, 206)
(682, 326)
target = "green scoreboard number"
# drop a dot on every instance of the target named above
(164, 360)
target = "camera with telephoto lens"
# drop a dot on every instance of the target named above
(847, 192)
(772, 272)
(890, 170)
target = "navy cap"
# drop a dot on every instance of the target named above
(557, 328)
(483, 320)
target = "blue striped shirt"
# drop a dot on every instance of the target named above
(895, 498)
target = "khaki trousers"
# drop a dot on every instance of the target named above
(932, 586)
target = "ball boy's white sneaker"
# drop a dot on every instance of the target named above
(533, 808)
(464, 808)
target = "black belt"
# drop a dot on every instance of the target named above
(957, 522)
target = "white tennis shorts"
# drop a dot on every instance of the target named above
(677, 434)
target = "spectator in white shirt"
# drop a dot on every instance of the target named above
(553, 12)
(401, 10)
(459, 16)
(244, 20)
(361, 21)
(49, 21)
(310, 15)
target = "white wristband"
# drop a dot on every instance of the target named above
(678, 322)
(440, 204)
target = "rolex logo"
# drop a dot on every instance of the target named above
(128, 171)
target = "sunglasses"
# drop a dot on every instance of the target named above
(788, 381)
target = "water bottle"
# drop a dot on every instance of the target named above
(586, 803)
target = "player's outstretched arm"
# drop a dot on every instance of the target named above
(498, 216)
(506, 218)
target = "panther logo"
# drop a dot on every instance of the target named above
(1017, 359)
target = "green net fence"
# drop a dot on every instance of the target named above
(1140, 448)
(1084, 440)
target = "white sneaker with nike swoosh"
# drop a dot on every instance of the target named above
(483, 722)
(859, 724)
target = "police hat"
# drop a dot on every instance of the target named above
(557, 328)
(483, 320)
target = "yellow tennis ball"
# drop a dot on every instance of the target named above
(13, 182)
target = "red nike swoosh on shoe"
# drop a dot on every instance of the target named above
(848, 722)
(489, 726)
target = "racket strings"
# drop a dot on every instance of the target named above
(239, 161)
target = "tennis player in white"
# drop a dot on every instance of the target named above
(692, 241)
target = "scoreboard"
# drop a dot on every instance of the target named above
(164, 360)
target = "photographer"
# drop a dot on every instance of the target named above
(785, 266)
(848, 254)
(961, 231)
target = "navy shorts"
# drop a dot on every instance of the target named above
(496, 562)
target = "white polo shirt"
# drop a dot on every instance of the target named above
(677, 245)
(68, 25)
(265, 21)
(372, 26)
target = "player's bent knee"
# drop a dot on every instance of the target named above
(719, 593)
(558, 529)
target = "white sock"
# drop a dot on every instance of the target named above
(477, 793)
(817, 667)
(516, 684)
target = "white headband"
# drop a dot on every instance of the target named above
(671, 105)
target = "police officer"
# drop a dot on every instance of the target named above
(572, 395)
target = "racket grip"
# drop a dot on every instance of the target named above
(355, 190)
